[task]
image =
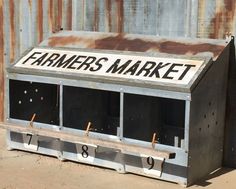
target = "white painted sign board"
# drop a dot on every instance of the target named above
(131, 67)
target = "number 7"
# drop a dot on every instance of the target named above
(29, 138)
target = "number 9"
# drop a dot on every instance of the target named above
(150, 161)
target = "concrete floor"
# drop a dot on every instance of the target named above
(26, 170)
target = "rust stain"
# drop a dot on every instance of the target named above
(12, 30)
(108, 14)
(40, 21)
(119, 42)
(95, 25)
(69, 14)
(1, 63)
(223, 20)
(216, 24)
(182, 48)
(59, 16)
(120, 17)
(50, 14)
(30, 5)
(63, 41)
(229, 5)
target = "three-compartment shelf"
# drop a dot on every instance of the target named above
(155, 112)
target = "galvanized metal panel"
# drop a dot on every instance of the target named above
(140, 17)
(207, 120)
(216, 18)
(25, 16)
(172, 20)
(192, 24)
(230, 127)
(206, 13)
(1, 60)
(89, 18)
(65, 14)
(101, 17)
(77, 14)
(5, 54)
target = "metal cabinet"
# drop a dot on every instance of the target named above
(141, 104)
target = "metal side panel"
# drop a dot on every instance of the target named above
(174, 170)
(230, 128)
(207, 120)
(37, 144)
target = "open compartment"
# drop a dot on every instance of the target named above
(29, 98)
(146, 115)
(82, 105)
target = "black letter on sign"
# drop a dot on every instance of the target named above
(89, 60)
(147, 67)
(51, 58)
(98, 64)
(133, 68)
(39, 60)
(59, 63)
(32, 57)
(156, 70)
(188, 66)
(75, 62)
(114, 67)
(171, 69)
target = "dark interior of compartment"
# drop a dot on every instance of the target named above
(28, 98)
(145, 115)
(82, 105)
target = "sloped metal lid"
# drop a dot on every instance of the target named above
(145, 61)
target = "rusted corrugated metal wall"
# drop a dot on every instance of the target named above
(25, 23)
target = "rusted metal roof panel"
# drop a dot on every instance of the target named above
(26, 23)
(216, 18)
(135, 42)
